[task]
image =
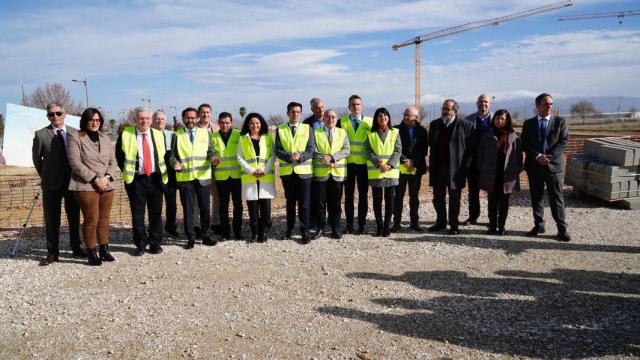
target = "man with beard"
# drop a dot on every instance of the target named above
(450, 142)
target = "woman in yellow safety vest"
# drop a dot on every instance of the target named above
(383, 148)
(256, 157)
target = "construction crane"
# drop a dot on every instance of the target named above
(619, 14)
(418, 40)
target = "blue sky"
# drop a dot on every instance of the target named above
(262, 55)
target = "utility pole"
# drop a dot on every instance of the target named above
(24, 99)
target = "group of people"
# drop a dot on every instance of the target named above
(319, 158)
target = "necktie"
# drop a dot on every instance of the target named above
(357, 123)
(191, 136)
(293, 130)
(146, 156)
(543, 134)
(330, 137)
(60, 139)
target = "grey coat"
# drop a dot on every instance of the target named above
(49, 159)
(394, 160)
(487, 157)
(89, 160)
(460, 149)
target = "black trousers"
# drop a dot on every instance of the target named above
(498, 209)
(189, 192)
(413, 182)
(440, 204)
(328, 196)
(51, 202)
(170, 207)
(553, 182)
(259, 214)
(389, 195)
(297, 191)
(145, 192)
(473, 182)
(356, 174)
(230, 188)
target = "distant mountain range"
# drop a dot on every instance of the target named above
(602, 103)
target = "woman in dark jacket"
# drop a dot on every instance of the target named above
(500, 162)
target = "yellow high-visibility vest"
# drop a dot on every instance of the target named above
(257, 161)
(129, 142)
(357, 138)
(322, 171)
(228, 166)
(293, 144)
(195, 163)
(383, 150)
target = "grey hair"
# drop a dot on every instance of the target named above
(155, 114)
(456, 107)
(140, 109)
(52, 105)
(314, 100)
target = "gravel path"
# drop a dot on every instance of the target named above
(412, 295)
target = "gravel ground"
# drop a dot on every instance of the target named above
(412, 295)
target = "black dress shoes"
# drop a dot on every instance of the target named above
(79, 252)
(437, 227)
(189, 245)
(395, 228)
(454, 231)
(336, 235)
(306, 239)
(537, 229)
(470, 221)
(172, 234)
(287, 235)
(361, 231)
(238, 236)
(208, 240)
(156, 250)
(492, 231)
(138, 251)
(501, 232)
(348, 229)
(563, 236)
(319, 233)
(416, 228)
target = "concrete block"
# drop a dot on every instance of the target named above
(630, 203)
(633, 188)
(624, 189)
(616, 155)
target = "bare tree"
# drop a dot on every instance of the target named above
(582, 108)
(633, 109)
(275, 120)
(53, 93)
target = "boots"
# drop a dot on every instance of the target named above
(254, 232)
(105, 255)
(94, 260)
(262, 237)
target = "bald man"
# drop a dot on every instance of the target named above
(413, 165)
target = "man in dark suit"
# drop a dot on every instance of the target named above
(414, 140)
(450, 142)
(140, 153)
(544, 138)
(480, 123)
(170, 227)
(49, 156)
(315, 121)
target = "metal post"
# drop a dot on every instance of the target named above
(24, 226)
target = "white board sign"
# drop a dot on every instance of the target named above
(20, 126)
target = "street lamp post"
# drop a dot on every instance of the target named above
(175, 117)
(24, 99)
(86, 88)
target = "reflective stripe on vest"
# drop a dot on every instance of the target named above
(406, 171)
(383, 150)
(228, 154)
(257, 162)
(292, 144)
(357, 138)
(195, 164)
(129, 142)
(321, 171)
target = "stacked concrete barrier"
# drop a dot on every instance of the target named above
(608, 168)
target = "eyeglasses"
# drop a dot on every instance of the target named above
(57, 113)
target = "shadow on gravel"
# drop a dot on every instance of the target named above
(564, 313)
(516, 246)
